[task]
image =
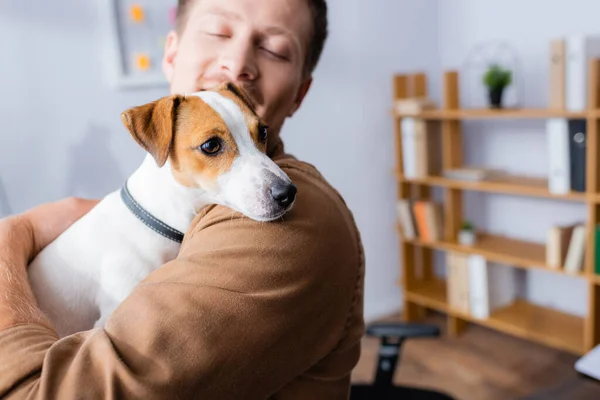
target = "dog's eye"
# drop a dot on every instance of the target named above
(211, 146)
(262, 134)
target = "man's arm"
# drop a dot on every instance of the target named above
(246, 308)
(17, 303)
(20, 240)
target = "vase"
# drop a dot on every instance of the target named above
(496, 97)
(466, 237)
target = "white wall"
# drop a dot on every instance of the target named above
(528, 27)
(345, 127)
(62, 134)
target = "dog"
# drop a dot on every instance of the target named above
(201, 149)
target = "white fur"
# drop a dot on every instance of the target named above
(81, 277)
(245, 187)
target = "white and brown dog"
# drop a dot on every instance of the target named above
(206, 148)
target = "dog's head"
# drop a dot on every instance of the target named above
(214, 141)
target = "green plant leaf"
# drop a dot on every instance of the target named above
(467, 226)
(497, 77)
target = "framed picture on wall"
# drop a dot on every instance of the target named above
(134, 35)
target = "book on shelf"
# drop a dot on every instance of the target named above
(420, 219)
(557, 74)
(476, 288)
(414, 105)
(566, 149)
(421, 148)
(456, 281)
(557, 245)
(577, 149)
(565, 247)
(472, 173)
(576, 252)
(569, 58)
(406, 220)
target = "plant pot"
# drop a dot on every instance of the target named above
(466, 237)
(496, 97)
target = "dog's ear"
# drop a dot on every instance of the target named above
(152, 125)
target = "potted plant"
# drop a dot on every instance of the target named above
(466, 234)
(496, 79)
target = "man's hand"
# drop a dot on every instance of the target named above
(22, 237)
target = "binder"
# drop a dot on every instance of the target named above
(409, 149)
(579, 50)
(557, 139)
(577, 149)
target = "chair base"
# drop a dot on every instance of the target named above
(370, 392)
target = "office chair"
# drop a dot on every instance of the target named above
(392, 335)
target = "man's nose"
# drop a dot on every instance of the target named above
(238, 61)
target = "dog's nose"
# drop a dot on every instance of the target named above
(284, 193)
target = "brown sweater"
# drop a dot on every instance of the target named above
(248, 310)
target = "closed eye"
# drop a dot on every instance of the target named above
(276, 55)
(219, 35)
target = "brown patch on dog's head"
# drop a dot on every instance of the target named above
(239, 95)
(195, 141)
(244, 101)
(198, 125)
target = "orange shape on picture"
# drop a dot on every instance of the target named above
(143, 62)
(137, 13)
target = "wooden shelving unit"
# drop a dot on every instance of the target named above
(500, 249)
(422, 290)
(517, 185)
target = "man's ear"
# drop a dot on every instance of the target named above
(170, 52)
(152, 125)
(304, 86)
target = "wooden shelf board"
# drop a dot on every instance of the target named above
(521, 318)
(508, 113)
(501, 249)
(431, 294)
(508, 184)
(542, 324)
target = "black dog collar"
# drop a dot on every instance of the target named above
(148, 219)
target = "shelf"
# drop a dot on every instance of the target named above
(506, 184)
(545, 325)
(431, 294)
(521, 318)
(484, 113)
(500, 249)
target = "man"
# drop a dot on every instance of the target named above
(248, 310)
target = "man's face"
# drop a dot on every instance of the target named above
(258, 44)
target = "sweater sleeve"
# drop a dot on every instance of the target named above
(245, 310)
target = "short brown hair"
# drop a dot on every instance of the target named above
(319, 32)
